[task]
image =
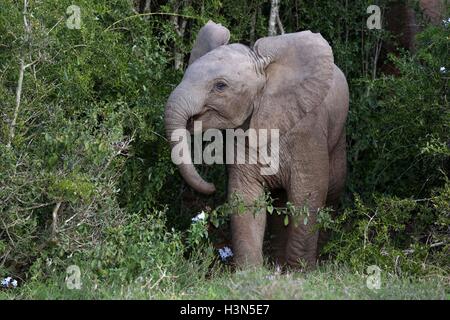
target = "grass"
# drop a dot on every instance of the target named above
(327, 282)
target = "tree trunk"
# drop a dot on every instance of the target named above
(274, 7)
(274, 19)
(143, 6)
(179, 24)
(253, 27)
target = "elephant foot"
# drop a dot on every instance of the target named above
(302, 254)
(247, 261)
(301, 265)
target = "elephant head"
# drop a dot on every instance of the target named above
(226, 84)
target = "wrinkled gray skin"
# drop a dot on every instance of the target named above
(287, 82)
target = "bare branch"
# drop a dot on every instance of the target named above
(279, 24)
(55, 218)
(12, 128)
(150, 14)
(23, 66)
(37, 206)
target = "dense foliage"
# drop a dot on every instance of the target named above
(85, 170)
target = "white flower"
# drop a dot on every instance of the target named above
(199, 217)
(5, 283)
(446, 22)
(443, 69)
(225, 253)
(278, 269)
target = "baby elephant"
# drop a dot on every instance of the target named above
(289, 83)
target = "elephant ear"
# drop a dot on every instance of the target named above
(210, 36)
(299, 68)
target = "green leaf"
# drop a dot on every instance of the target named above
(286, 220)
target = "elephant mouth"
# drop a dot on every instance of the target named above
(191, 120)
(190, 124)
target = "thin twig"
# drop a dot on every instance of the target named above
(7, 233)
(279, 24)
(35, 206)
(366, 230)
(55, 218)
(433, 245)
(376, 56)
(12, 127)
(23, 66)
(58, 22)
(152, 14)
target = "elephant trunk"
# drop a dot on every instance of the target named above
(182, 106)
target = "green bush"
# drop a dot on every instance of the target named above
(88, 103)
(402, 236)
(398, 166)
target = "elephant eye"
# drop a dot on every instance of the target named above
(220, 86)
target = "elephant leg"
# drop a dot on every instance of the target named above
(338, 172)
(308, 187)
(247, 228)
(277, 229)
(336, 185)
